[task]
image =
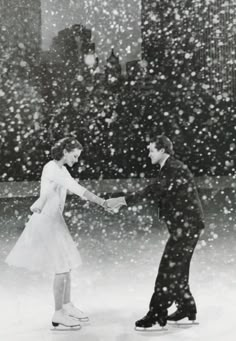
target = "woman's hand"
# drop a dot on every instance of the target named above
(113, 205)
(35, 210)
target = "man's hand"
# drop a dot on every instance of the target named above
(113, 205)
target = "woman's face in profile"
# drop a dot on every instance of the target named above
(70, 158)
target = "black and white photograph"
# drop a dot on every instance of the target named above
(117, 170)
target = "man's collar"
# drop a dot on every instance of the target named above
(164, 161)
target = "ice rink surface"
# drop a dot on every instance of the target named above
(120, 259)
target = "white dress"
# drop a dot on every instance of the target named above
(46, 245)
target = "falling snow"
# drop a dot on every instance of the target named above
(113, 73)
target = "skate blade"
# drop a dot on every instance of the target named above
(83, 319)
(65, 329)
(61, 326)
(187, 323)
(155, 328)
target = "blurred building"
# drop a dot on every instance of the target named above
(209, 29)
(113, 70)
(134, 70)
(151, 32)
(72, 45)
(217, 31)
(70, 62)
(21, 26)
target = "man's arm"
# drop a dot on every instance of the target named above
(136, 197)
(131, 199)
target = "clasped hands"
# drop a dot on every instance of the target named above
(114, 204)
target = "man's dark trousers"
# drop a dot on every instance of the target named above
(172, 282)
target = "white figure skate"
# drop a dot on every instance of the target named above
(74, 312)
(61, 317)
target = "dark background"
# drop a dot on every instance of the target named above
(183, 86)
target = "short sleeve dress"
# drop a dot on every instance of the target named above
(46, 245)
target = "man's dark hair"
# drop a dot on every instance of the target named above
(162, 141)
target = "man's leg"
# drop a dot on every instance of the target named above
(183, 296)
(162, 297)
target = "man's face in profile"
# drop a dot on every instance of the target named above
(155, 154)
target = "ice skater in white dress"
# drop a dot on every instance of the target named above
(46, 245)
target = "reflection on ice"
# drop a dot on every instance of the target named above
(120, 259)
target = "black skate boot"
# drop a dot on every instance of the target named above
(181, 314)
(151, 321)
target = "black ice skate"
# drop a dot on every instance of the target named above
(152, 321)
(180, 315)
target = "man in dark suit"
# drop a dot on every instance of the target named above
(175, 193)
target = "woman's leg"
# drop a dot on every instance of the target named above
(59, 288)
(67, 293)
(70, 309)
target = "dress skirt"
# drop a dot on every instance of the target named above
(45, 245)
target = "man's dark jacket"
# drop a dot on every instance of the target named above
(175, 193)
